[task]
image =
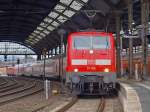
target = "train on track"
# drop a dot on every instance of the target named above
(89, 66)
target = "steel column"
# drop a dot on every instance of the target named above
(44, 52)
(144, 20)
(118, 28)
(62, 54)
(130, 20)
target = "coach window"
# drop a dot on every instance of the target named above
(11, 51)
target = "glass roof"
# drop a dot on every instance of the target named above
(63, 11)
(14, 48)
(59, 8)
(69, 13)
(66, 2)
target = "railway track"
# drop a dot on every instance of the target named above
(3, 81)
(101, 105)
(15, 90)
(84, 105)
(31, 87)
(9, 83)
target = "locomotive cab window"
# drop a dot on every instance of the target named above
(100, 42)
(91, 42)
(82, 42)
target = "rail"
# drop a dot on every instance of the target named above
(100, 108)
(19, 92)
(69, 105)
(101, 105)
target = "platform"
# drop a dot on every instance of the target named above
(138, 98)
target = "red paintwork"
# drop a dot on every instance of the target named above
(84, 54)
(11, 71)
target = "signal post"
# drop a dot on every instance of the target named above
(47, 88)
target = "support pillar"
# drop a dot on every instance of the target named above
(144, 20)
(118, 28)
(130, 20)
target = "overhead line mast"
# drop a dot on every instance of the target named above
(130, 20)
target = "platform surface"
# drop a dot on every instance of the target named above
(143, 91)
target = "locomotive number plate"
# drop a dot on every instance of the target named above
(91, 68)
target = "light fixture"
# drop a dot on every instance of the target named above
(106, 70)
(75, 70)
(91, 51)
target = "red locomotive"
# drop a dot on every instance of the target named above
(91, 67)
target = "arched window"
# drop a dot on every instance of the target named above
(11, 51)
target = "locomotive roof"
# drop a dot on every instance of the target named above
(91, 33)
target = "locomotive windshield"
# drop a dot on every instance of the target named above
(92, 42)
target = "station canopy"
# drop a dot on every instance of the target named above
(36, 22)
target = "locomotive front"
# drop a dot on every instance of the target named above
(91, 63)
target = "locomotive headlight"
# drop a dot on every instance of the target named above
(91, 51)
(75, 70)
(106, 70)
